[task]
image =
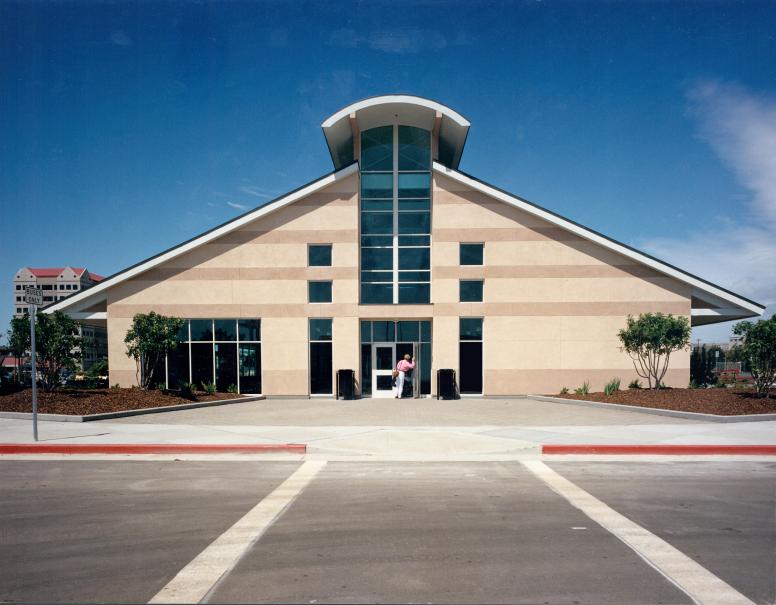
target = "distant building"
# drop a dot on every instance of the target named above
(57, 284)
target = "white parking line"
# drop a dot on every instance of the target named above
(696, 581)
(195, 582)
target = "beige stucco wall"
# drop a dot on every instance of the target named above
(552, 302)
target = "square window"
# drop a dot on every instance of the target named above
(320, 329)
(225, 329)
(319, 255)
(470, 290)
(201, 329)
(250, 329)
(383, 331)
(471, 254)
(319, 291)
(470, 328)
(408, 331)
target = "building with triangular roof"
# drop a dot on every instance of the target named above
(397, 251)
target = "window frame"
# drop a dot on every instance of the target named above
(312, 282)
(309, 252)
(460, 252)
(479, 282)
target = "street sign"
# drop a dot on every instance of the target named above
(33, 296)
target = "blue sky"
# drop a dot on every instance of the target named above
(126, 128)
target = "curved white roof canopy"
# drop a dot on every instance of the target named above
(449, 126)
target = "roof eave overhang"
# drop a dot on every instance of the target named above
(728, 305)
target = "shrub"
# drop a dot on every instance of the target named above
(58, 345)
(634, 384)
(151, 337)
(583, 390)
(188, 390)
(650, 340)
(564, 391)
(97, 369)
(232, 388)
(209, 388)
(116, 386)
(612, 386)
(759, 351)
(160, 386)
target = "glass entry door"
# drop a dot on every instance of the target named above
(383, 362)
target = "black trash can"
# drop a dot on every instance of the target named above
(346, 381)
(446, 384)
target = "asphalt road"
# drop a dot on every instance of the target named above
(119, 531)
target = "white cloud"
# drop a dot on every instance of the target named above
(740, 127)
(257, 192)
(236, 205)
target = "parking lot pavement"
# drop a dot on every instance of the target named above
(125, 531)
(439, 532)
(75, 531)
(721, 514)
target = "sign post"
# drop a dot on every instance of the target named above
(34, 297)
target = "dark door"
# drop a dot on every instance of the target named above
(470, 373)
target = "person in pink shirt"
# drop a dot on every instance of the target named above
(404, 365)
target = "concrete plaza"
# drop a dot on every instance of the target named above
(424, 429)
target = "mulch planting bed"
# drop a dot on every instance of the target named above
(98, 401)
(721, 401)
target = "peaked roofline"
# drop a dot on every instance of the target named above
(748, 307)
(704, 285)
(202, 238)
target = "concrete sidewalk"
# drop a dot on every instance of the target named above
(487, 429)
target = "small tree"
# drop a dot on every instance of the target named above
(759, 349)
(151, 337)
(19, 341)
(650, 340)
(57, 345)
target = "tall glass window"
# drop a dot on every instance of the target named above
(321, 381)
(470, 355)
(395, 215)
(226, 352)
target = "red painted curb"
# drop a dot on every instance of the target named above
(666, 450)
(151, 448)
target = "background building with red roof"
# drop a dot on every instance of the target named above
(57, 284)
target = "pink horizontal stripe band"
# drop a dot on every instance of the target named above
(150, 448)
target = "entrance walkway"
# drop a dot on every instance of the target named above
(410, 429)
(401, 412)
